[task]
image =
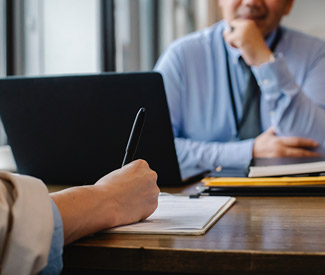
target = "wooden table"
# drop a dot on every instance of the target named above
(258, 235)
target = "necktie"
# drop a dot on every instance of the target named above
(250, 124)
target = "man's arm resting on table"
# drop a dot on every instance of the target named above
(124, 196)
(209, 155)
(268, 145)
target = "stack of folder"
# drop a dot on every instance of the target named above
(307, 176)
(274, 181)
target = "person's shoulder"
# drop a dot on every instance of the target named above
(302, 39)
(198, 39)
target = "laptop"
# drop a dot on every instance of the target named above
(73, 129)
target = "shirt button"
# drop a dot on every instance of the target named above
(271, 113)
(266, 82)
(235, 61)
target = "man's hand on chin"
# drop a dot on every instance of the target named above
(244, 35)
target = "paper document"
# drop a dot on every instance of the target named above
(287, 169)
(180, 215)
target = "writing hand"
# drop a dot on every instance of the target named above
(135, 191)
(124, 196)
(268, 145)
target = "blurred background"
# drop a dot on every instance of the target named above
(41, 37)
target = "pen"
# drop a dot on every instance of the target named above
(134, 137)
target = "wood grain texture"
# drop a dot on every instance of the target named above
(258, 235)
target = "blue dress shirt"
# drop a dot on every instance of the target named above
(198, 94)
(55, 263)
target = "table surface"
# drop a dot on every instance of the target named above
(257, 235)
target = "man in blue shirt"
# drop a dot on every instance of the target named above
(205, 82)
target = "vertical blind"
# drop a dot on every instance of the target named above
(66, 36)
(2, 38)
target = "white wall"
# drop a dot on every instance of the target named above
(71, 37)
(308, 16)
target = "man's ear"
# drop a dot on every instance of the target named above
(288, 6)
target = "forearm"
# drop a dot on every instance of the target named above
(293, 113)
(302, 118)
(124, 196)
(209, 155)
(83, 211)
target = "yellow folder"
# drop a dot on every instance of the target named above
(276, 181)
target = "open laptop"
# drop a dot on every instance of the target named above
(74, 129)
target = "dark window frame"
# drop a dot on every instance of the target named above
(108, 45)
(10, 45)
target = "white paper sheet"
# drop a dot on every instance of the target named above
(180, 215)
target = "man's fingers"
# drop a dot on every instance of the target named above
(299, 142)
(297, 152)
(237, 23)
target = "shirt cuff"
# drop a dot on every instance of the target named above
(274, 79)
(55, 263)
(236, 154)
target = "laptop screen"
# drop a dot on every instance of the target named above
(74, 129)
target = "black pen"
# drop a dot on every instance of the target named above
(134, 138)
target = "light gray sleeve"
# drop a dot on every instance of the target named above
(26, 224)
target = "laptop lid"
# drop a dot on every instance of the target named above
(74, 129)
